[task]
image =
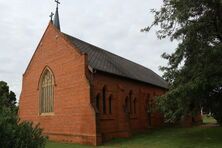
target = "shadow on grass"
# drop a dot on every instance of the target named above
(195, 137)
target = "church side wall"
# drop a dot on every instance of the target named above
(73, 119)
(119, 123)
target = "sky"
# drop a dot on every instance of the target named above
(113, 25)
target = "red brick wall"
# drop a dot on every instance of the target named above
(118, 124)
(74, 116)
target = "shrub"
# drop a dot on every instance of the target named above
(29, 136)
(13, 132)
(16, 134)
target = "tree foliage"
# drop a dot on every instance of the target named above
(7, 97)
(13, 132)
(194, 69)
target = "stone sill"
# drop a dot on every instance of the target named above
(47, 114)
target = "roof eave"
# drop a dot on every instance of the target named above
(166, 88)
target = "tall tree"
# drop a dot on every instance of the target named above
(194, 70)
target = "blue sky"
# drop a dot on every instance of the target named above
(111, 24)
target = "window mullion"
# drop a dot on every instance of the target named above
(47, 93)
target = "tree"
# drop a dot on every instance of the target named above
(7, 98)
(194, 70)
(13, 132)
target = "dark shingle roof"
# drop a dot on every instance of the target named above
(105, 61)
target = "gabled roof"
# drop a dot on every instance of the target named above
(102, 60)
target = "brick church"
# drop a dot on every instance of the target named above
(81, 93)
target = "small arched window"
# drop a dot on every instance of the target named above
(47, 92)
(126, 104)
(98, 101)
(134, 106)
(104, 99)
(147, 102)
(130, 101)
(110, 104)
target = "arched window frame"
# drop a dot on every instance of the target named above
(134, 106)
(48, 106)
(104, 91)
(127, 104)
(147, 103)
(153, 101)
(110, 104)
(130, 100)
(97, 102)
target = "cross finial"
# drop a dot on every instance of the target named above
(56, 22)
(51, 15)
(58, 2)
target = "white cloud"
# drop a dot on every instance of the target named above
(112, 24)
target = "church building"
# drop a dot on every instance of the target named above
(80, 93)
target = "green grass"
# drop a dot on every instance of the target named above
(196, 137)
(175, 138)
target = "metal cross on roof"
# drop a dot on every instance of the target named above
(51, 15)
(58, 2)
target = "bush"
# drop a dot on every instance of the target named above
(13, 133)
(29, 136)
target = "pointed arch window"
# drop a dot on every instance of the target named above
(98, 101)
(130, 101)
(47, 92)
(147, 102)
(126, 104)
(110, 104)
(104, 99)
(134, 106)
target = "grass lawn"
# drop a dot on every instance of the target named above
(196, 137)
(206, 136)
